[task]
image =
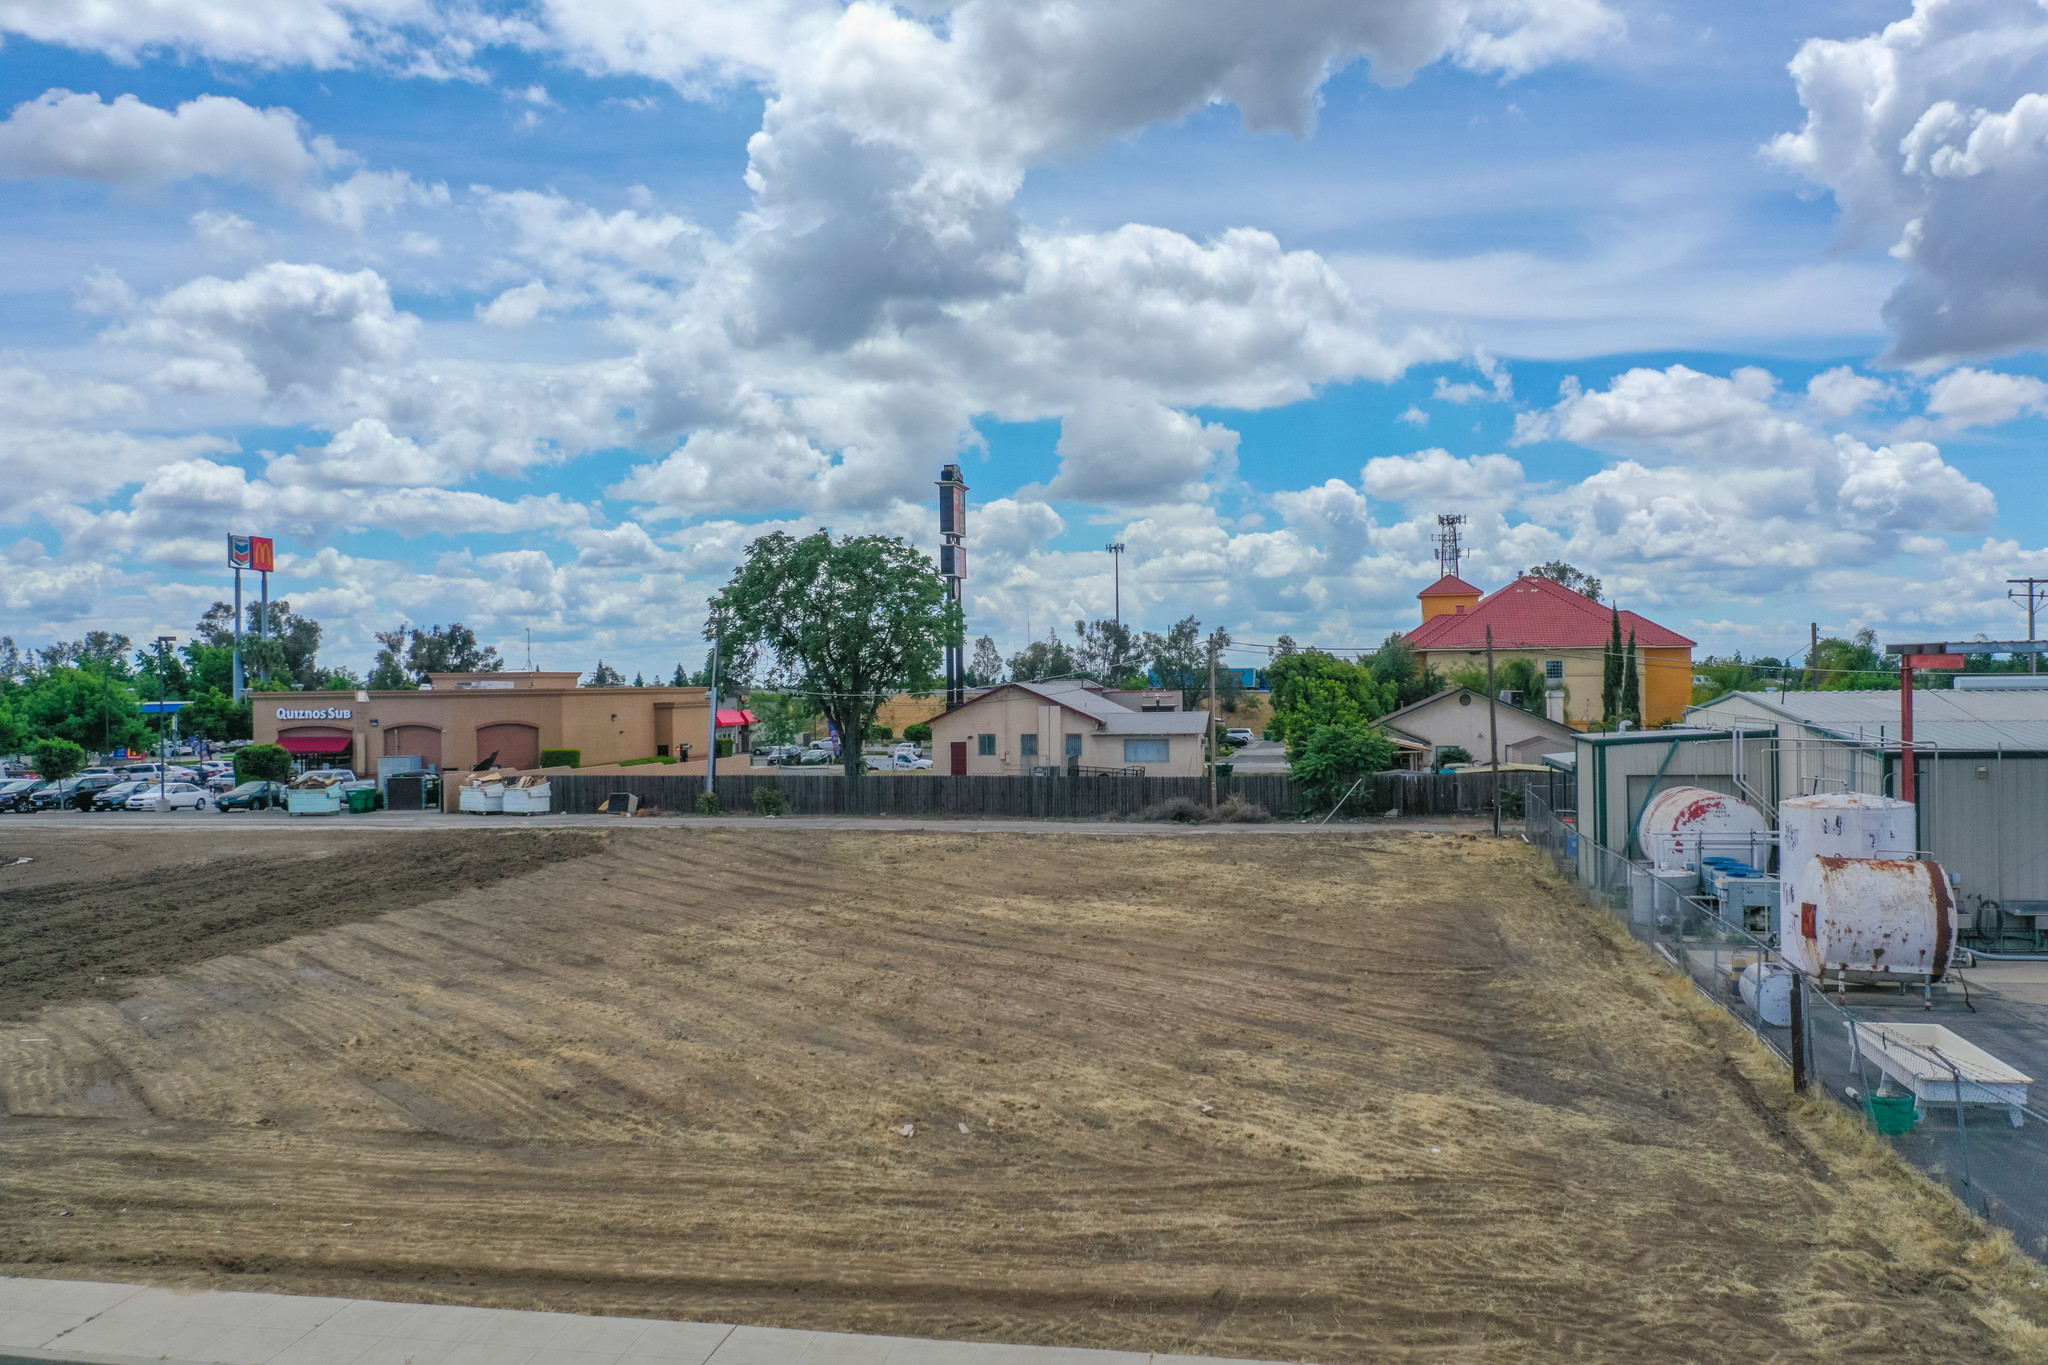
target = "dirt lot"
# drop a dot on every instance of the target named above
(1377, 1097)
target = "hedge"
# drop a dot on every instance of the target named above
(561, 758)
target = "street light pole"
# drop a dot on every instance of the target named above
(1116, 579)
(1212, 723)
(1493, 730)
(2034, 587)
(163, 746)
(711, 756)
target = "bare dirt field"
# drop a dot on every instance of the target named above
(1353, 1098)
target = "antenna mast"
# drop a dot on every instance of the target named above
(1446, 539)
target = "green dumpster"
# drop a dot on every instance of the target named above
(362, 800)
(1892, 1115)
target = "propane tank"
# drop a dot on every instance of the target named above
(1869, 919)
(1678, 821)
(1841, 825)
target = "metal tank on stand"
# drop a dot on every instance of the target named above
(1838, 825)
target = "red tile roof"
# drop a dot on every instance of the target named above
(1449, 585)
(1537, 613)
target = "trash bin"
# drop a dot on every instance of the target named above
(1892, 1115)
(362, 800)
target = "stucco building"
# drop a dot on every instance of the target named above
(465, 718)
(1565, 633)
(1459, 717)
(1009, 730)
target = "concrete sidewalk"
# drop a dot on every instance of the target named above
(127, 1324)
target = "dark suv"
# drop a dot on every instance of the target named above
(76, 792)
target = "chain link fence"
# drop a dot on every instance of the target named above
(1950, 1111)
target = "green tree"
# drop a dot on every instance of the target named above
(263, 763)
(850, 623)
(1557, 571)
(217, 716)
(781, 719)
(1331, 758)
(1311, 689)
(289, 650)
(920, 733)
(100, 651)
(604, 675)
(1852, 665)
(681, 678)
(1610, 672)
(387, 673)
(450, 649)
(1397, 664)
(1106, 651)
(1046, 660)
(91, 709)
(986, 668)
(57, 759)
(1179, 659)
(1631, 684)
(1452, 753)
(209, 668)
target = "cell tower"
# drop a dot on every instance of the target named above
(953, 568)
(1446, 538)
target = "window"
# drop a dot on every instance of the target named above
(1027, 746)
(1073, 746)
(1553, 670)
(1145, 751)
(985, 745)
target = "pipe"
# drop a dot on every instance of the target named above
(2006, 957)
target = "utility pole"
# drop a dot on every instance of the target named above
(1493, 730)
(1116, 579)
(1212, 722)
(163, 743)
(1812, 646)
(2036, 588)
(711, 755)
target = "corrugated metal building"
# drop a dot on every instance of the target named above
(1980, 764)
(1619, 773)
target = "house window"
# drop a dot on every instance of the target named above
(1027, 746)
(1553, 670)
(985, 745)
(1073, 746)
(1145, 751)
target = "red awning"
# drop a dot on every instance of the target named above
(735, 717)
(316, 744)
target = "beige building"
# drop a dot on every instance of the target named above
(462, 719)
(1008, 731)
(1460, 717)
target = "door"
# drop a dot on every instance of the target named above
(418, 741)
(959, 768)
(517, 746)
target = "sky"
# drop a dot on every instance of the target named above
(532, 316)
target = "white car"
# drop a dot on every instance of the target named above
(911, 761)
(1239, 737)
(175, 796)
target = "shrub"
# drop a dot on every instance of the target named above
(1179, 809)
(1236, 810)
(561, 758)
(57, 759)
(1452, 753)
(637, 762)
(880, 734)
(707, 804)
(767, 801)
(1333, 757)
(263, 763)
(920, 733)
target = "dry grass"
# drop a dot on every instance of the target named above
(1368, 1097)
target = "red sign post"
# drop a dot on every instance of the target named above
(1907, 664)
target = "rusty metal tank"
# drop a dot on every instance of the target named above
(1678, 823)
(1837, 825)
(1869, 919)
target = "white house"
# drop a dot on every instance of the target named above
(1460, 717)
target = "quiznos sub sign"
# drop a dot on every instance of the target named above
(324, 713)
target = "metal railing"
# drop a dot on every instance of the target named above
(1983, 1149)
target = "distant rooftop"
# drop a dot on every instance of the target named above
(2014, 719)
(1538, 613)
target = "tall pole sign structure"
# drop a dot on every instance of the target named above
(1116, 601)
(2035, 588)
(953, 568)
(258, 554)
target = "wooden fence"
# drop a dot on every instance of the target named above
(1054, 798)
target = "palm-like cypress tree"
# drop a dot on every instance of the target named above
(1610, 673)
(1631, 685)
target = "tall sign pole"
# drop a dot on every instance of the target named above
(263, 559)
(1116, 581)
(711, 755)
(953, 569)
(240, 555)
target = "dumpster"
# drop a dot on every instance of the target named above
(313, 801)
(362, 800)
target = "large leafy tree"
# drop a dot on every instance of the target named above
(90, 708)
(1313, 689)
(848, 623)
(1180, 659)
(1046, 660)
(604, 675)
(217, 716)
(1396, 664)
(985, 669)
(1330, 759)
(405, 657)
(1106, 651)
(1557, 571)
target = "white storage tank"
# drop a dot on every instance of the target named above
(1766, 988)
(1678, 821)
(1838, 825)
(1869, 919)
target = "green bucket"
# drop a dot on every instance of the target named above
(1892, 1115)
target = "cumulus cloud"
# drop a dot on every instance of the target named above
(1973, 398)
(1138, 452)
(1841, 392)
(1933, 136)
(1437, 476)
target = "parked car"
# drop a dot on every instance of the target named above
(172, 773)
(1237, 738)
(175, 796)
(252, 796)
(346, 776)
(815, 755)
(16, 791)
(911, 761)
(780, 753)
(116, 796)
(75, 792)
